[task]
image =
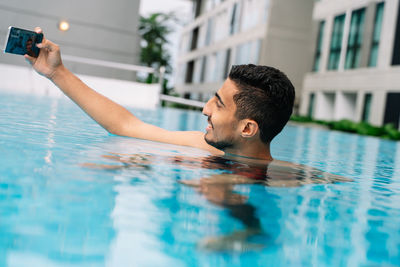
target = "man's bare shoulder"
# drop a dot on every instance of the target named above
(303, 173)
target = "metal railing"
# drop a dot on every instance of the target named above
(136, 68)
(108, 64)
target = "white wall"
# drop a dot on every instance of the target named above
(371, 80)
(99, 29)
(25, 80)
(345, 106)
(324, 106)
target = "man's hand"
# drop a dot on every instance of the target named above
(48, 63)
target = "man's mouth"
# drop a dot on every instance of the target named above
(209, 126)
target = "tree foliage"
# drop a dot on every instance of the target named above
(154, 30)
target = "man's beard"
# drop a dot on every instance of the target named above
(221, 145)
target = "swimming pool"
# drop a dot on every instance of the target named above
(56, 211)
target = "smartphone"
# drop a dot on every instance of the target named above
(21, 42)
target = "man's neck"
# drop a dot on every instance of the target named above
(255, 152)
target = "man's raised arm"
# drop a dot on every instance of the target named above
(110, 115)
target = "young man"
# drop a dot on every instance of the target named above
(247, 112)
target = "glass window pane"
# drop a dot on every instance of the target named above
(318, 50)
(354, 43)
(311, 105)
(336, 42)
(373, 57)
(349, 58)
(357, 57)
(367, 107)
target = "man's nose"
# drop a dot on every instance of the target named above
(206, 108)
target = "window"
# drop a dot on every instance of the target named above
(392, 110)
(396, 45)
(336, 43)
(227, 63)
(311, 105)
(355, 39)
(251, 14)
(189, 72)
(318, 49)
(210, 24)
(210, 4)
(197, 8)
(233, 19)
(211, 67)
(366, 107)
(219, 66)
(221, 28)
(266, 10)
(181, 74)
(202, 35)
(185, 42)
(195, 35)
(243, 54)
(197, 70)
(248, 52)
(203, 69)
(373, 56)
(234, 25)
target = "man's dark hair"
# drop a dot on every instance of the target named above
(265, 95)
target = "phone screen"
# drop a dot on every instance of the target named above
(21, 42)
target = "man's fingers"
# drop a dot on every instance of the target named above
(50, 46)
(30, 59)
(191, 183)
(38, 30)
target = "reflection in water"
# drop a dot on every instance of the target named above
(377, 234)
(234, 170)
(361, 215)
(219, 189)
(48, 216)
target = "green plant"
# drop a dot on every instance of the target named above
(301, 118)
(344, 125)
(391, 131)
(388, 131)
(154, 30)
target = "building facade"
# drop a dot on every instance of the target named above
(224, 33)
(356, 62)
(99, 29)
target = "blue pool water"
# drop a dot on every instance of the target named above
(57, 211)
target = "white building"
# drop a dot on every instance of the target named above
(224, 33)
(356, 69)
(99, 29)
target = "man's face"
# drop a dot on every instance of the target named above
(222, 129)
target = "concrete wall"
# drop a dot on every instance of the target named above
(359, 81)
(99, 29)
(288, 39)
(345, 106)
(24, 80)
(325, 105)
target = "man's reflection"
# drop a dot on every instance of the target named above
(219, 189)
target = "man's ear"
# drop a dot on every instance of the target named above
(249, 128)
